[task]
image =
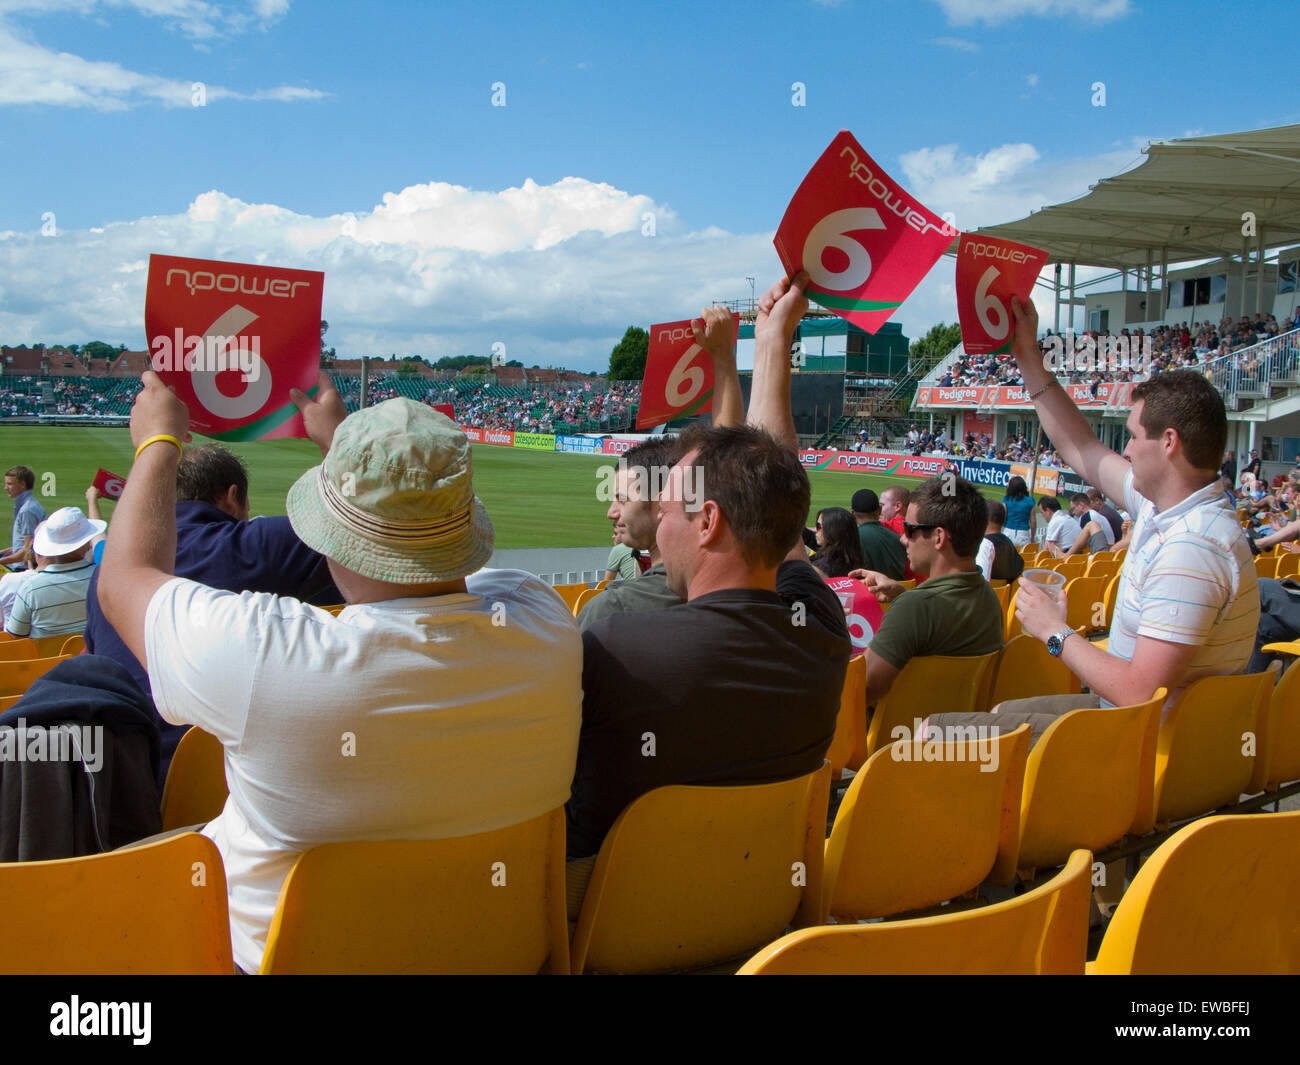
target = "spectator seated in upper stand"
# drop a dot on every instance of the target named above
(218, 546)
(444, 701)
(740, 683)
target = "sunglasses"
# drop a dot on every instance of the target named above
(911, 530)
(818, 525)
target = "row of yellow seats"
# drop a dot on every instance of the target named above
(1094, 776)
(1214, 898)
(687, 877)
(1279, 565)
(576, 596)
(14, 648)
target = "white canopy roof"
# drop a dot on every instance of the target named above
(1185, 202)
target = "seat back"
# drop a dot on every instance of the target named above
(1027, 669)
(49, 646)
(691, 876)
(1086, 603)
(1043, 931)
(486, 903)
(1279, 762)
(1205, 753)
(848, 749)
(584, 597)
(1288, 564)
(569, 593)
(195, 790)
(1087, 777)
(73, 645)
(1216, 897)
(20, 650)
(924, 822)
(930, 684)
(1265, 565)
(17, 677)
(159, 908)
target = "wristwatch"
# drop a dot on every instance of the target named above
(1055, 643)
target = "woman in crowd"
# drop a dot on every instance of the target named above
(838, 547)
(1020, 512)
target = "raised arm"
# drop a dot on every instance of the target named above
(141, 552)
(1073, 438)
(779, 311)
(715, 333)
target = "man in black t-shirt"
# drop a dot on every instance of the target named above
(740, 683)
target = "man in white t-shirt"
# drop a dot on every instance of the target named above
(1187, 605)
(1062, 528)
(444, 701)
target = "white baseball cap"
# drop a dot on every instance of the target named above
(64, 531)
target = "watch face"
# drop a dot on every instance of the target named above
(1054, 645)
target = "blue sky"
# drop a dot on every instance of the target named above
(471, 224)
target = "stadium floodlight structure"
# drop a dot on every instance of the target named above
(1193, 199)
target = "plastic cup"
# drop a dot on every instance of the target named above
(1047, 580)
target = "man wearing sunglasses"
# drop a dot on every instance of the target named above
(954, 612)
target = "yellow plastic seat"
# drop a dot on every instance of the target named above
(848, 749)
(583, 599)
(17, 677)
(73, 645)
(569, 593)
(927, 685)
(1205, 753)
(1026, 669)
(1266, 565)
(602, 585)
(1043, 931)
(1085, 603)
(50, 646)
(336, 609)
(924, 823)
(1278, 762)
(910, 583)
(1003, 592)
(1110, 597)
(1217, 897)
(195, 790)
(1288, 564)
(481, 904)
(1088, 781)
(23, 650)
(158, 909)
(692, 876)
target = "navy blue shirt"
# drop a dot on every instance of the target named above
(216, 549)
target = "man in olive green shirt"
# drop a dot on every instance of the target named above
(882, 550)
(954, 612)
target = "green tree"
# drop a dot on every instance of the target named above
(937, 343)
(97, 349)
(627, 360)
(326, 354)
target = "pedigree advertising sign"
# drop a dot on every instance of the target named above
(865, 241)
(232, 339)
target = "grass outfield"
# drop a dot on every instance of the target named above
(536, 499)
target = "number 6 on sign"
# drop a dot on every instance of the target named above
(682, 373)
(832, 232)
(992, 315)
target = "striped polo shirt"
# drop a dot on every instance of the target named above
(53, 602)
(1188, 577)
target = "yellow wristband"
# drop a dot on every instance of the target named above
(156, 439)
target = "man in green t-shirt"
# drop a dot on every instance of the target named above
(954, 612)
(882, 550)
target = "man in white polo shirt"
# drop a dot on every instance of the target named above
(444, 701)
(53, 601)
(1188, 604)
(1062, 528)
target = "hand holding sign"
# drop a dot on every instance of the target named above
(108, 485)
(678, 378)
(320, 415)
(989, 273)
(865, 242)
(862, 613)
(157, 412)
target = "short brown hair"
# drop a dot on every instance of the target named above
(900, 494)
(206, 473)
(22, 473)
(1186, 402)
(656, 455)
(758, 484)
(954, 504)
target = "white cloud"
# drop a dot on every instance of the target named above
(31, 73)
(1031, 80)
(957, 43)
(965, 12)
(556, 272)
